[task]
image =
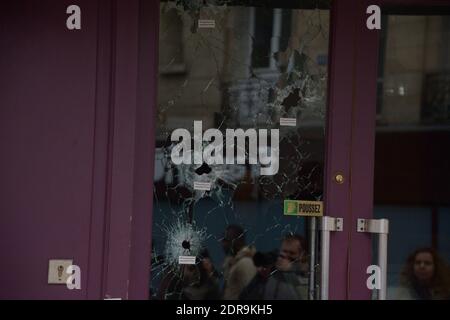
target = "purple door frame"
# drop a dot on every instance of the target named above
(351, 138)
(131, 158)
(351, 129)
(338, 140)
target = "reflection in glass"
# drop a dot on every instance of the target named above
(224, 222)
(412, 160)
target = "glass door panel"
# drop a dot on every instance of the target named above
(412, 158)
(240, 129)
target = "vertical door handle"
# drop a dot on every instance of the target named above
(380, 227)
(328, 224)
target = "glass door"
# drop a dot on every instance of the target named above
(412, 154)
(241, 119)
(407, 133)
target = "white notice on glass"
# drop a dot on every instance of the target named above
(186, 260)
(289, 122)
(204, 186)
(204, 23)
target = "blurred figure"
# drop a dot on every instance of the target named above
(289, 281)
(424, 277)
(209, 266)
(199, 283)
(265, 266)
(238, 267)
(191, 282)
(171, 286)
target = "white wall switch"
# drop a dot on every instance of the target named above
(57, 271)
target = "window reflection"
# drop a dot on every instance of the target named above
(415, 71)
(412, 161)
(231, 240)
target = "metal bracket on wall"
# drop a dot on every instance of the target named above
(373, 226)
(380, 227)
(331, 224)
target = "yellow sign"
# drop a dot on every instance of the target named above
(303, 208)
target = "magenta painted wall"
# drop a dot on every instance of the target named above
(47, 121)
(76, 138)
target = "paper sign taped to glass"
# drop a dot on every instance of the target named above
(303, 208)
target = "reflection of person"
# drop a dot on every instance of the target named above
(199, 284)
(190, 282)
(208, 265)
(238, 267)
(265, 265)
(424, 277)
(289, 282)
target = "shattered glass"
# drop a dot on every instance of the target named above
(234, 67)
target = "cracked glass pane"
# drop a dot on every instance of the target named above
(240, 129)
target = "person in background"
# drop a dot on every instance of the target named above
(238, 267)
(199, 283)
(190, 282)
(289, 281)
(208, 265)
(265, 266)
(424, 277)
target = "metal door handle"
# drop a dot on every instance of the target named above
(380, 227)
(327, 225)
